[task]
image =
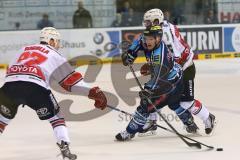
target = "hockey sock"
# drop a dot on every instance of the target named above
(3, 123)
(199, 110)
(196, 108)
(153, 116)
(183, 114)
(60, 129)
(138, 121)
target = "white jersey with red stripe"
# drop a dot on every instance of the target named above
(41, 64)
(183, 54)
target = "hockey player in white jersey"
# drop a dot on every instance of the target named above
(27, 82)
(183, 55)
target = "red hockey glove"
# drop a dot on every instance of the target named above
(100, 99)
(145, 69)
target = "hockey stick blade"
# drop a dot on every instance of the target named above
(189, 144)
(196, 144)
(210, 147)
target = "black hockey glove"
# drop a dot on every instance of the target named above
(145, 94)
(127, 59)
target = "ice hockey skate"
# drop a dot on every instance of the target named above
(149, 129)
(65, 151)
(124, 136)
(191, 126)
(210, 124)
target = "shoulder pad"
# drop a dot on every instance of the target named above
(165, 23)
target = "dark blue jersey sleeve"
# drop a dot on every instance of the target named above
(136, 46)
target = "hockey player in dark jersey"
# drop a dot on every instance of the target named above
(163, 88)
(183, 55)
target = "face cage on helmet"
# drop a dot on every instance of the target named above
(149, 23)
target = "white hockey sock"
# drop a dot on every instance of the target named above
(61, 134)
(199, 110)
(60, 129)
(153, 116)
(3, 123)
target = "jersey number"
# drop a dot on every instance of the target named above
(31, 59)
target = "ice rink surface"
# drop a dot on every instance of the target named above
(216, 85)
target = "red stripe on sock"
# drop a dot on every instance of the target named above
(58, 122)
(2, 126)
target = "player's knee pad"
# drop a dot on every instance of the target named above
(153, 116)
(187, 104)
(8, 112)
(3, 122)
(49, 108)
(196, 107)
(137, 122)
(8, 108)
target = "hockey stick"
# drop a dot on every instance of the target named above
(119, 110)
(210, 147)
(196, 144)
(159, 126)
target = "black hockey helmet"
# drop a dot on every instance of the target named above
(153, 31)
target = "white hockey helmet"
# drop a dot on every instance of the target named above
(49, 33)
(153, 17)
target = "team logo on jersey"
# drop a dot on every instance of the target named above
(42, 112)
(5, 110)
(25, 70)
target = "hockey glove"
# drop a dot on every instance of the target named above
(145, 69)
(174, 75)
(99, 97)
(145, 94)
(127, 59)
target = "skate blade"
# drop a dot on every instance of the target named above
(60, 157)
(146, 134)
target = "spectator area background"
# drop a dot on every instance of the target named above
(28, 12)
(24, 14)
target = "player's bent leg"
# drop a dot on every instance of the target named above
(199, 110)
(6, 115)
(61, 134)
(3, 123)
(187, 119)
(59, 127)
(135, 125)
(202, 112)
(150, 125)
(47, 108)
(8, 110)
